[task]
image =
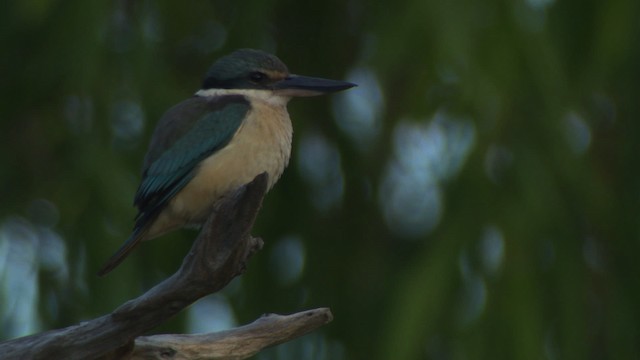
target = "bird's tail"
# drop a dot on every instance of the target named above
(124, 250)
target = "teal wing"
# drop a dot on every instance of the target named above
(181, 145)
(187, 134)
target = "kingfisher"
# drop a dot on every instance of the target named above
(233, 129)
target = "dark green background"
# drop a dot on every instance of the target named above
(477, 197)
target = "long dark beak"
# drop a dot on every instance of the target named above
(296, 85)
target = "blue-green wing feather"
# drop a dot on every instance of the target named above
(187, 134)
(191, 132)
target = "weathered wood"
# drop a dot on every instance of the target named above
(234, 344)
(219, 254)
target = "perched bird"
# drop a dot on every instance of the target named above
(233, 129)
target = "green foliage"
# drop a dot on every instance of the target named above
(475, 198)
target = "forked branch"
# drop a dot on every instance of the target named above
(219, 253)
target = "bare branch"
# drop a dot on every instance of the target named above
(219, 254)
(235, 344)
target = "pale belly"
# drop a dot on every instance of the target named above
(258, 146)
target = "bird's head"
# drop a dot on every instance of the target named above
(248, 69)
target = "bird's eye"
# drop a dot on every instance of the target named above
(257, 77)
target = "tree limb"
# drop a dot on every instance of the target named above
(219, 254)
(234, 344)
